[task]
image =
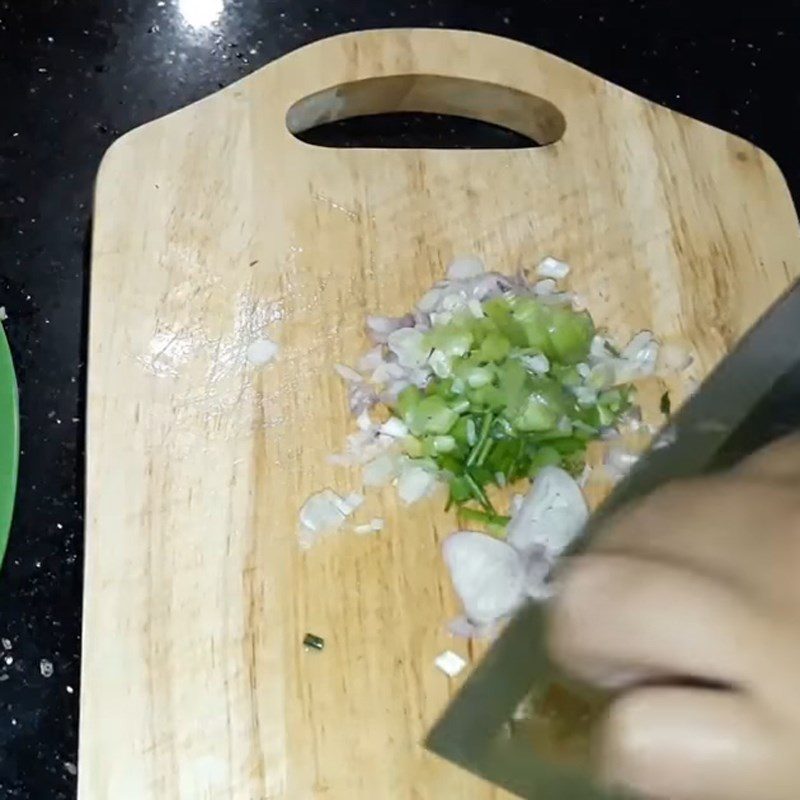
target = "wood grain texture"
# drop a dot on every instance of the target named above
(215, 226)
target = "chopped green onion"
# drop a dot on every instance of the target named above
(474, 454)
(478, 493)
(474, 515)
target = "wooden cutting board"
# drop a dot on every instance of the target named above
(215, 226)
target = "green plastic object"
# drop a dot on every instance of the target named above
(9, 440)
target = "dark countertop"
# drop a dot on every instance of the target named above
(74, 74)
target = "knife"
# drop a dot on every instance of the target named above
(520, 724)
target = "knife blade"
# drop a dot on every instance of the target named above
(750, 399)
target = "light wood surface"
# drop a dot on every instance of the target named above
(215, 226)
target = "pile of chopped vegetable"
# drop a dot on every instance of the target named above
(511, 392)
(489, 382)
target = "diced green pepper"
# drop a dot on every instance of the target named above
(498, 310)
(536, 415)
(536, 321)
(408, 399)
(495, 347)
(431, 415)
(570, 335)
(453, 339)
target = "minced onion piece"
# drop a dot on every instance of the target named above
(601, 376)
(409, 347)
(440, 364)
(465, 267)
(381, 327)
(364, 421)
(450, 663)
(637, 359)
(579, 302)
(351, 502)
(585, 395)
(371, 360)
(642, 353)
(375, 525)
(261, 352)
(545, 287)
(476, 309)
(538, 364)
(619, 460)
(674, 357)
(415, 483)
(322, 513)
(430, 300)
(388, 371)
(381, 470)
(394, 427)
(348, 373)
(362, 446)
(550, 267)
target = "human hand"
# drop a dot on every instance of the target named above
(688, 604)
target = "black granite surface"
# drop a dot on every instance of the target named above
(74, 74)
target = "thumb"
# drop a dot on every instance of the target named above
(678, 743)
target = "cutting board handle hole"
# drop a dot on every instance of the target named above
(425, 111)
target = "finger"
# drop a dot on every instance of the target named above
(713, 525)
(618, 616)
(779, 459)
(684, 744)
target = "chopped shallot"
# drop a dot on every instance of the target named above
(261, 352)
(322, 513)
(364, 421)
(381, 470)
(394, 427)
(552, 268)
(415, 483)
(487, 574)
(545, 287)
(348, 373)
(371, 359)
(552, 514)
(409, 347)
(373, 526)
(538, 364)
(619, 460)
(674, 358)
(465, 267)
(350, 503)
(450, 663)
(381, 327)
